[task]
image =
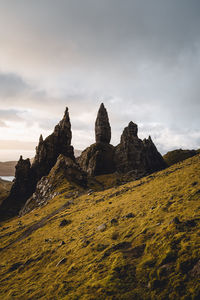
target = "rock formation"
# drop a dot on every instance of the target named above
(154, 159)
(22, 188)
(27, 176)
(45, 190)
(130, 154)
(56, 155)
(47, 152)
(102, 126)
(98, 158)
(133, 154)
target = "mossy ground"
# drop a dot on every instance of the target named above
(149, 248)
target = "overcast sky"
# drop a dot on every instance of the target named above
(140, 57)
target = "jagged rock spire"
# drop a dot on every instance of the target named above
(41, 139)
(48, 150)
(129, 132)
(102, 126)
(63, 129)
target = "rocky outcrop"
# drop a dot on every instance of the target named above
(133, 154)
(154, 159)
(46, 188)
(98, 159)
(178, 155)
(102, 126)
(70, 170)
(27, 176)
(43, 193)
(48, 150)
(130, 153)
(22, 188)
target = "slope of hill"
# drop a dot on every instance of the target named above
(139, 240)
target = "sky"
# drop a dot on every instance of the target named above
(140, 57)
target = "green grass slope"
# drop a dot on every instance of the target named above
(140, 240)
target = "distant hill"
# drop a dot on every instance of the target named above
(7, 168)
(175, 156)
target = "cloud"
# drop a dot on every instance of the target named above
(12, 85)
(9, 115)
(141, 58)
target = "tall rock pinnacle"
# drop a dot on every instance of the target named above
(102, 126)
(55, 144)
(98, 158)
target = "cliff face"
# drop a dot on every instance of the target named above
(48, 150)
(130, 154)
(27, 176)
(133, 154)
(22, 188)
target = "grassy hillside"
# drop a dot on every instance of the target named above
(139, 240)
(4, 189)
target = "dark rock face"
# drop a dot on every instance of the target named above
(102, 126)
(47, 152)
(45, 189)
(130, 154)
(133, 154)
(154, 159)
(27, 176)
(22, 188)
(98, 159)
(70, 170)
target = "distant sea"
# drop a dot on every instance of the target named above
(8, 178)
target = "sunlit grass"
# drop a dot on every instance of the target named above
(143, 254)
